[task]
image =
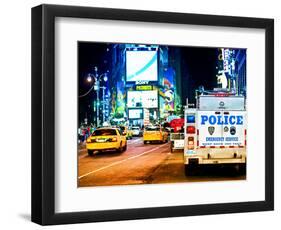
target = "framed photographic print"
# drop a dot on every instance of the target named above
(143, 114)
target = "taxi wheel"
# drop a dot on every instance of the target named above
(120, 149)
(90, 152)
(125, 148)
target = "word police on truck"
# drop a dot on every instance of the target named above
(215, 131)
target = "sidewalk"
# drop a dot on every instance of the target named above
(81, 145)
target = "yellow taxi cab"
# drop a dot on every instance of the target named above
(126, 131)
(104, 139)
(130, 133)
(155, 134)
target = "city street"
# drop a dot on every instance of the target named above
(142, 164)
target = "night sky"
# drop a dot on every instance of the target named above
(198, 64)
(197, 67)
(91, 55)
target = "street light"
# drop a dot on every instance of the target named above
(98, 78)
(96, 86)
(89, 78)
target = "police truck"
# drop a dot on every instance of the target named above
(215, 131)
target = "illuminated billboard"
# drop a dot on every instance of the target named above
(135, 113)
(142, 99)
(141, 66)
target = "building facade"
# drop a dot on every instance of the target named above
(144, 85)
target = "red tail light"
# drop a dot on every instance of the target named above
(190, 129)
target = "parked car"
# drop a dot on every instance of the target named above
(126, 131)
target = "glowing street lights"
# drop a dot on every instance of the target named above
(97, 87)
(89, 78)
(96, 79)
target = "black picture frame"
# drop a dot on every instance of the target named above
(43, 114)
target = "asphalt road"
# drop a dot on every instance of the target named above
(142, 164)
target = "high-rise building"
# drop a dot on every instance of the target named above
(144, 84)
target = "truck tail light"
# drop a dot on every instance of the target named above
(190, 140)
(190, 143)
(190, 129)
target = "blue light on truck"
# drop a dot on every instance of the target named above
(190, 119)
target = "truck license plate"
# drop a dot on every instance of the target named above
(179, 143)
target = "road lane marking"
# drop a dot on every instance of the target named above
(83, 156)
(121, 161)
(134, 141)
(133, 157)
(130, 142)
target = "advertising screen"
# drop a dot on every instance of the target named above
(135, 113)
(142, 99)
(141, 65)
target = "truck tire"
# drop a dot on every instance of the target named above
(190, 170)
(238, 168)
(125, 148)
(90, 152)
(241, 169)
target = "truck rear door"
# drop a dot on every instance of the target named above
(221, 129)
(235, 134)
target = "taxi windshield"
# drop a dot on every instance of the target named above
(122, 128)
(104, 132)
